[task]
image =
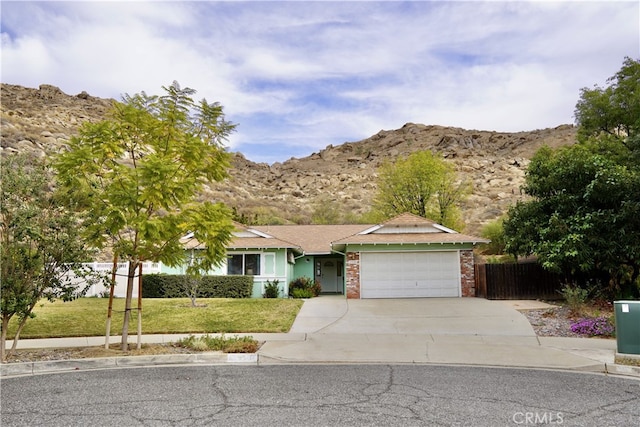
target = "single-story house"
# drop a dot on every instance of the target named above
(406, 256)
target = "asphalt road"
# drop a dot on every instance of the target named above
(320, 395)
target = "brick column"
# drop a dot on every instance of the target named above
(353, 275)
(467, 274)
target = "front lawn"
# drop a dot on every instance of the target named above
(87, 317)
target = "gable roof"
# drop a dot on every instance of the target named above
(313, 239)
(247, 238)
(407, 228)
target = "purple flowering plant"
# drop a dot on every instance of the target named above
(599, 326)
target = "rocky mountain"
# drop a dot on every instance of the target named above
(42, 120)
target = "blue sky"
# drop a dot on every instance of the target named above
(297, 76)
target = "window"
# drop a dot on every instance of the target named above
(243, 264)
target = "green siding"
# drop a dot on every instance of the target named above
(274, 265)
(303, 268)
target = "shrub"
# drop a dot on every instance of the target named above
(161, 286)
(176, 286)
(221, 343)
(302, 293)
(310, 287)
(271, 289)
(599, 326)
(575, 297)
(226, 287)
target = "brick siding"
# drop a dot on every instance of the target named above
(467, 274)
(353, 275)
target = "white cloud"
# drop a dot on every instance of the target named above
(302, 75)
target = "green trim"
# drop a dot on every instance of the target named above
(409, 247)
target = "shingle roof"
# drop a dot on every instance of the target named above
(321, 239)
(241, 242)
(409, 238)
(408, 219)
(426, 231)
(313, 239)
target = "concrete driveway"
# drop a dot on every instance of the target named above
(422, 316)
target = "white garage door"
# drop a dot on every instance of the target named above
(409, 274)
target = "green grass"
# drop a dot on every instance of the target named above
(87, 317)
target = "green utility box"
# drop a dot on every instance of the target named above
(627, 326)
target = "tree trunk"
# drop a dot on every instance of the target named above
(3, 338)
(139, 344)
(133, 266)
(23, 321)
(114, 269)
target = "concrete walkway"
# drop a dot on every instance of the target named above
(460, 331)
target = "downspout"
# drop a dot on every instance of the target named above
(344, 271)
(338, 252)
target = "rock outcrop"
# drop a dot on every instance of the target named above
(42, 120)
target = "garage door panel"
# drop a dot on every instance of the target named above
(409, 274)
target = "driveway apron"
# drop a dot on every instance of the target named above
(421, 316)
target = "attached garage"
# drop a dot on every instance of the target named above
(410, 274)
(408, 257)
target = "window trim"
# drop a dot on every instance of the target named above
(244, 263)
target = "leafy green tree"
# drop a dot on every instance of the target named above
(583, 218)
(422, 184)
(613, 110)
(494, 231)
(40, 246)
(138, 176)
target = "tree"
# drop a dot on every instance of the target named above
(422, 184)
(614, 110)
(138, 176)
(583, 218)
(494, 231)
(40, 244)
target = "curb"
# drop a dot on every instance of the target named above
(626, 370)
(72, 365)
(60, 366)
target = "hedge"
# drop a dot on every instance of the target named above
(174, 286)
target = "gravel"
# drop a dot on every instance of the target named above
(551, 322)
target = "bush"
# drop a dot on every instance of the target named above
(226, 287)
(310, 287)
(227, 345)
(175, 286)
(575, 297)
(600, 326)
(302, 293)
(162, 286)
(271, 289)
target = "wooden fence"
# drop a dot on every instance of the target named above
(516, 281)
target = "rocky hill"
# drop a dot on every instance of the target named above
(42, 120)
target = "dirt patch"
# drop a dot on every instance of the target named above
(67, 353)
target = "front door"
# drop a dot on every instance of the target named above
(329, 273)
